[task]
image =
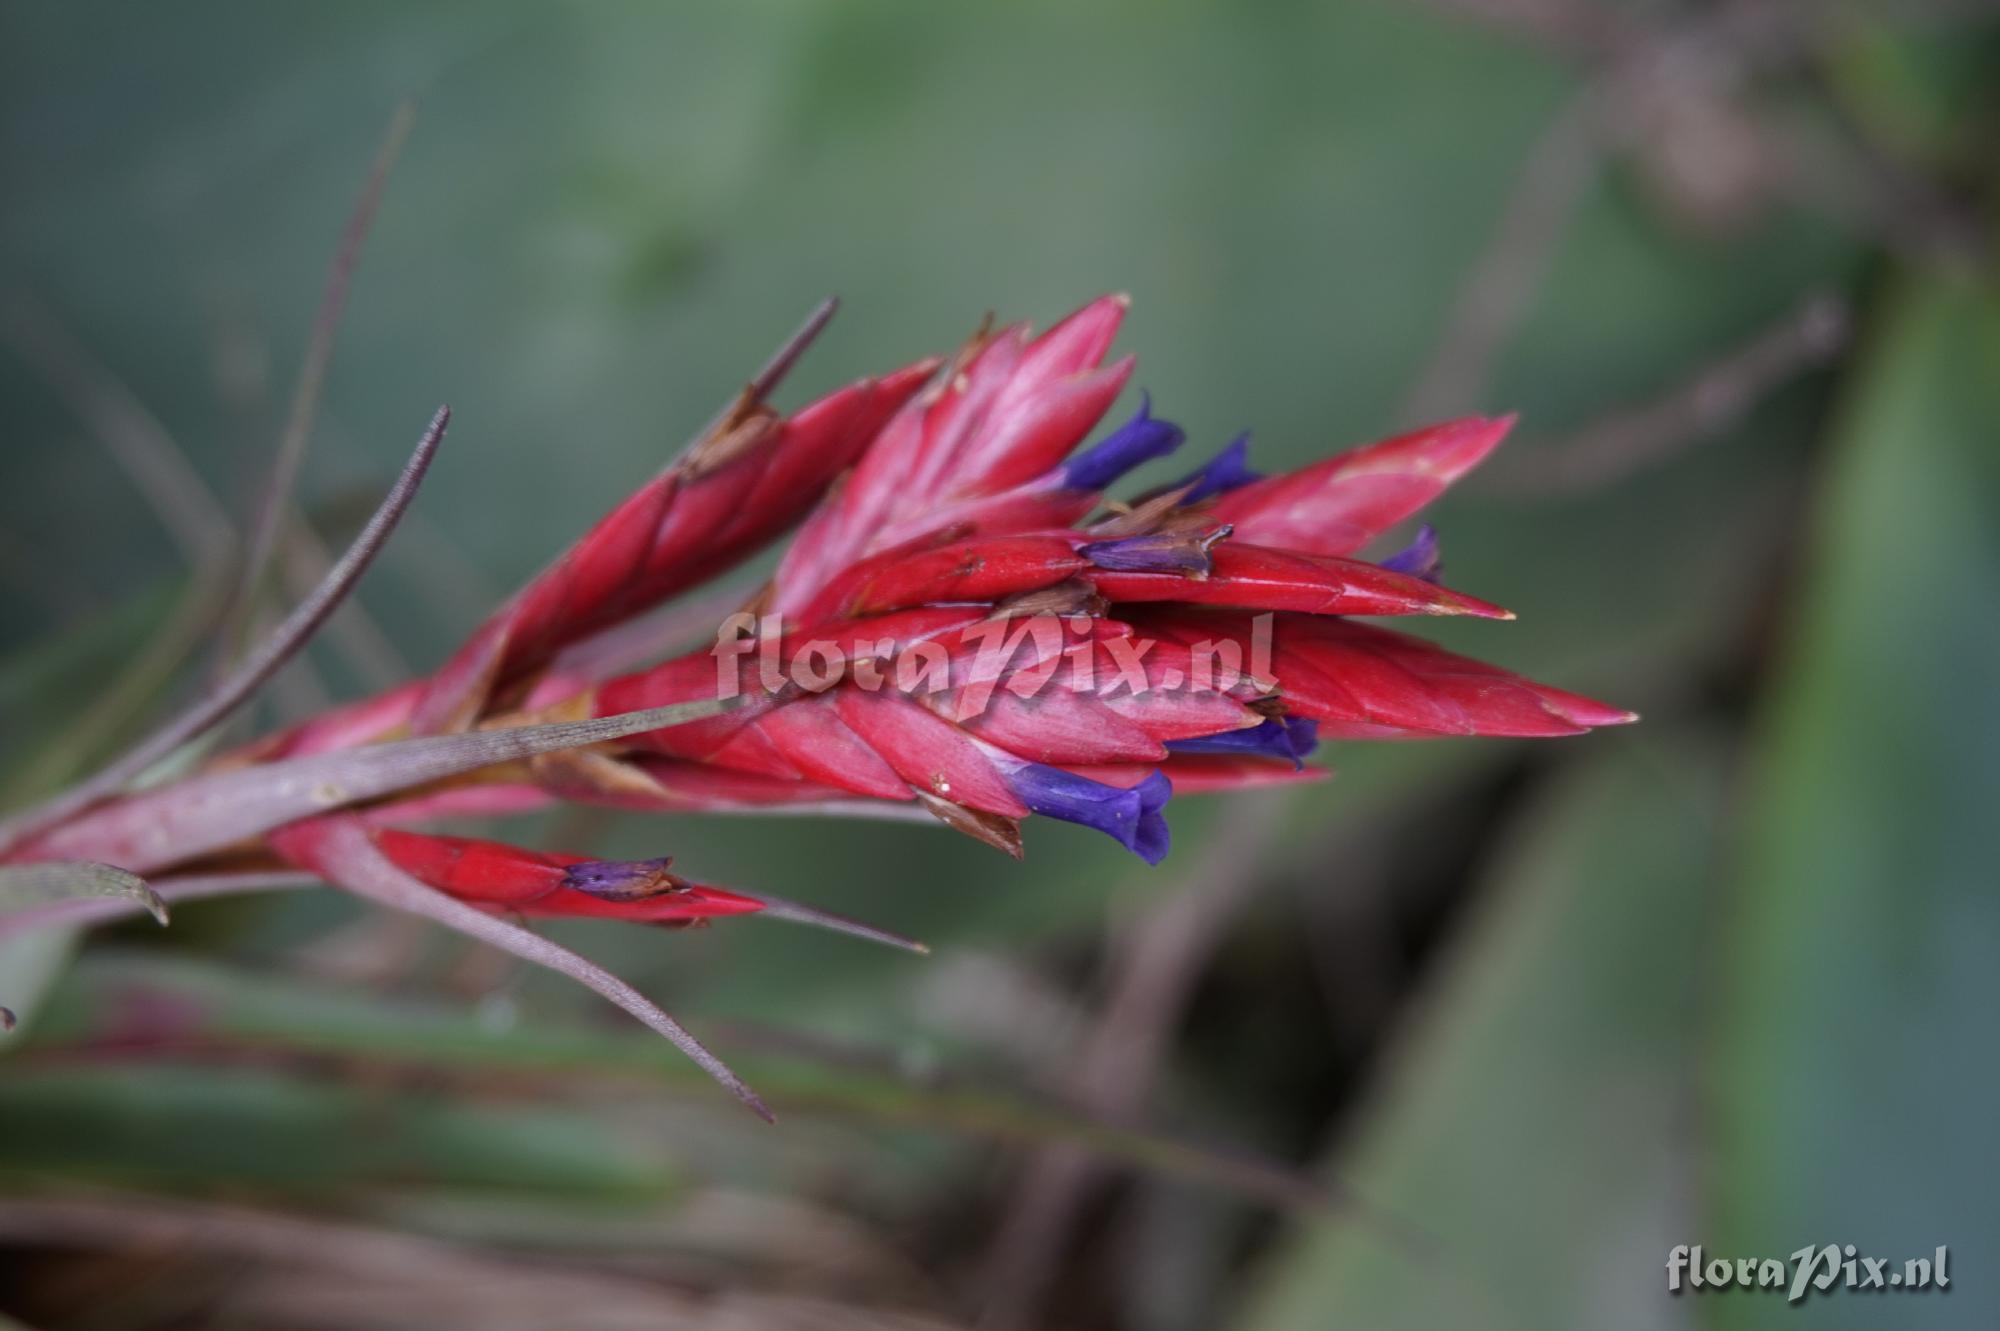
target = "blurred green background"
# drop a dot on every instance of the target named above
(1470, 1037)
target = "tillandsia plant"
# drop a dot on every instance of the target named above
(963, 627)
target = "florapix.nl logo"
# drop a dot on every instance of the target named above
(1810, 1270)
(1024, 653)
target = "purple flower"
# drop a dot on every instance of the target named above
(1288, 737)
(1131, 817)
(1226, 471)
(1137, 441)
(621, 880)
(1420, 558)
(1157, 552)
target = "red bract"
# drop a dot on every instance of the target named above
(536, 883)
(750, 477)
(1071, 658)
(950, 631)
(1337, 506)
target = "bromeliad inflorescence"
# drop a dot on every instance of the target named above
(964, 626)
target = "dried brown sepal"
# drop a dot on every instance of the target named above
(1148, 515)
(996, 830)
(592, 773)
(1074, 597)
(953, 378)
(631, 884)
(748, 424)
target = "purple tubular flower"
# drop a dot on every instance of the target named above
(1421, 558)
(1137, 441)
(621, 880)
(1226, 471)
(1291, 738)
(1157, 552)
(1131, 817)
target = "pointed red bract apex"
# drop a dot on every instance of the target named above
(1076, 343)
(1337, 506)
(942, 634)
(1408, 685)
(733, 493)
(999, 419)
(1256, 578)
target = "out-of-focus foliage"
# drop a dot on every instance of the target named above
(1547, 1010)
(1538, 1124)
(1659, 1040)
(1857, 970)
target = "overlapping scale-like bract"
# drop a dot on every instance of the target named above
(544, 883)
(964, 626)
(951, 630)
(1069, 654)
(752, 476)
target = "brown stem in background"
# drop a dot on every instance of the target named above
(1155, 960)
(1716, 398)
(270, 656)
(275, 502)
(134, 436)
(1496, 295)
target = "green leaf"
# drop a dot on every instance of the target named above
(218, 1008)
(1855, 1095)
(28, 887)
(30, 961)
(220, 1128)
(29, 964)
(1522, 1165)
(82, 691)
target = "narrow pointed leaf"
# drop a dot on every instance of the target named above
(33, 887)
(342, 849)
(206, 813)
(780, 908)
(69, 912)
(275, 500)
(283, 644)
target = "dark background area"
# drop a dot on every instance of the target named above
(1471, 1036)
